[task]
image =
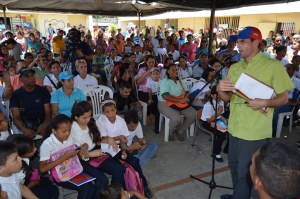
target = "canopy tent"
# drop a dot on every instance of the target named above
(126, 7)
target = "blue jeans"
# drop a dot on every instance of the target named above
(277, 110)
(146, 154)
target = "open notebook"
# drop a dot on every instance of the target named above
(248, 88)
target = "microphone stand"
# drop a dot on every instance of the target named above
(212, 183)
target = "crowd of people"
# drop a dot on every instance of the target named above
(44, 81)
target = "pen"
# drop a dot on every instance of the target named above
(241, 102)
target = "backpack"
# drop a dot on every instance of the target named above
(132, 179)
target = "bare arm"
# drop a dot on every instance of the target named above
(8, 89)
(42, 128)
(280, 99)
(26, 192)
(142, 78)
(19, 123)
(54, 108)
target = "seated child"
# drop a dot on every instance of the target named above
(208, 121)
(115, 129)
(85, 130)
(41, 186)
(152, 84)
(142, 149)
(10, 164)
(115, 191)
(3, 125)
(60, 138)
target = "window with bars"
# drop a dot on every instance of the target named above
(287, 28)
(232, 22)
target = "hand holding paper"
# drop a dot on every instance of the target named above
(225, 85)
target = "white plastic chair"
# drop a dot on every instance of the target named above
(189, 132)
(97, 95)
(280, 120)
(144, 105)
(108, 72)
(189, 82)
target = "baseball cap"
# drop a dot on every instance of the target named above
(154, 69)
(65, 76)
(25, 71)
(249, 32)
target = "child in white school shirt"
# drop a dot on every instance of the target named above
(153, 83)
(142, 149)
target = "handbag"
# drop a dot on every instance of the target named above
(67, 169)
(96, 162)
(177, 105)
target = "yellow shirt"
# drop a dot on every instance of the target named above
(244, 122)
(58, 43)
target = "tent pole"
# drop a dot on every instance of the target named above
(211, 25)
(139, 15)
(4, 15)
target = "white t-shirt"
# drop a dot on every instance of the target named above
(4, 135)
(153, 85)
(112, 129)
(52, 144)
(138, 132)
(81, 136)
(209, 111)
(297, 73)
(182, 74)
(11, 185)
(296, 83)
(83, 84)
(176, 55)
(284, 61)
(47, 82)
(201, 95)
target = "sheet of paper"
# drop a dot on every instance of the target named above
(108, 149)
(253, 88)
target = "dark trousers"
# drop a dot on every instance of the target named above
(114, 168)
(45, 189)
(134, 162)
(218, 138)
(88, 190)
(154, 108)
(239, 159)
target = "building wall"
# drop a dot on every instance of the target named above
(41, 20)
(265, 22)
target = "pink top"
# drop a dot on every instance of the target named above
(190, 49)
(142, 86)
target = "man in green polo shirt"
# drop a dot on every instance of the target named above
(249, 128)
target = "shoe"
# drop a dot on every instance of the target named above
(181, 138)
(171, 138)
(156, 131)
(148, 192)
(219, 158)
(298, 143)
(226, 196)
(298, 147)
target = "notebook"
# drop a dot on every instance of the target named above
(108, 149)
(81, 179)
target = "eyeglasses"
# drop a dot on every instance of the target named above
(278, 40)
